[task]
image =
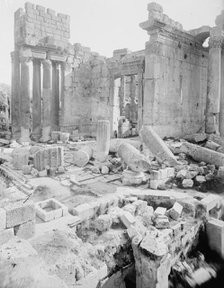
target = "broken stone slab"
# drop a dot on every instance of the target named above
(212, 145)
(133, 158)
(162, 222)
(82, 156)
(157, 146)
(127, 219)
(216, 138)
(206, 155)
(196, 137)
(133, 178)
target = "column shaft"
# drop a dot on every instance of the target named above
(102, 140)
(140, 100)
(214, 86)
(25, 100)
(221, 115)
(47, 100)
(55, 97)
(62, 106)
(36, 103)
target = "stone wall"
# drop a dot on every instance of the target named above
(88, 92)
(37, 25)
(175, 77)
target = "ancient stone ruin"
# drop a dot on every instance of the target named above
(112, 169)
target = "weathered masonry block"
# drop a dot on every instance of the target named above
(36, 23)
(215, 234)
(19, 213)
(50, 209)
(53, 157)
(26, 230)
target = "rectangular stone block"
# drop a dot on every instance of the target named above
(175, 211)
(84, 211)
(127, 219)
(211, 201)
(26, 230)
(6, 235)
(215, 234)
(160, 211)
(132, 232)
(18, 213)
(2, 219)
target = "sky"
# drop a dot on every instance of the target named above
(106, 25)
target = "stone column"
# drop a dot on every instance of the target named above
(140, 100)
(102, 140)
(55, 97)
(15, 97)
(214, 83)
(47, 100)
(36, 103)
(221, 115)
(122, 91)
(25, 99)
(62, 106)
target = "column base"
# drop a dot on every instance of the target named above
(46, 134)
(25, 135)
(212, 124)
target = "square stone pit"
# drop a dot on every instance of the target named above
(50, 209)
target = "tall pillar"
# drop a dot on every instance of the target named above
(15, 97)
(140, 100)
(47, 100)
(214, 83)
(62, 98)
(221, 115)
(36, 102)
(25, 99)
(55, 96)
(102, 140)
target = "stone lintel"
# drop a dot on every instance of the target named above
(39, 54)
(58, 58)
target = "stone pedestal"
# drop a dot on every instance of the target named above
(36, 103)
(47, 101)
(25, 100)
(214, 83)
(102, 140)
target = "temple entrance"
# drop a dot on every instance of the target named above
(125, 106)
